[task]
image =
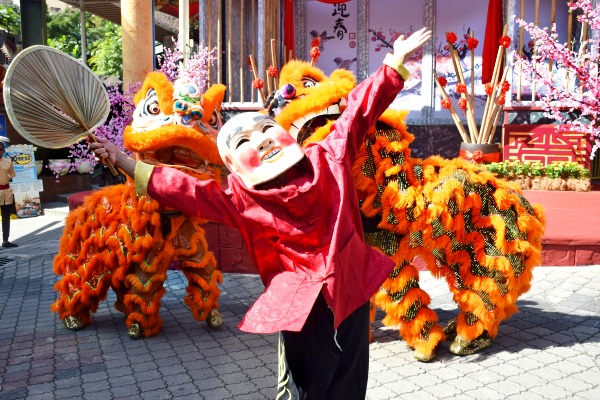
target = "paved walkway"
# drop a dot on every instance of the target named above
(549, 350)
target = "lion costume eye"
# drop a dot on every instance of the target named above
(151, 106)
(308, 82)
(214, 121)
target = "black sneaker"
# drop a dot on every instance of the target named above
(9, 244)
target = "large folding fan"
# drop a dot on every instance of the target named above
(52, 99)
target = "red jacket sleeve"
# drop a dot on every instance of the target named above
(366, 103)
(192, 196)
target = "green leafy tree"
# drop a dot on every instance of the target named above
(104, 43)
(104, 39)
(64, 32)
(106, 53)
(10, 18)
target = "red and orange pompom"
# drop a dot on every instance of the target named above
(504, 41)
(258, 83)
(451, 37)
(472, 43)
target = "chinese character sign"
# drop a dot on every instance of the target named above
(334, 25)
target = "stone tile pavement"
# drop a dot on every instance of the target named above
(549, 350)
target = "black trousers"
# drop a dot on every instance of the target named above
(5, 210)
(322, 363)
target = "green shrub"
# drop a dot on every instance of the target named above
(509, 169)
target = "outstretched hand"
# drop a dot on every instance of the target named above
(404, 47)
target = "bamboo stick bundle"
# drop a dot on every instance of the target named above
(497, 107)
(470, 113)
(488, 104)
(455, 117)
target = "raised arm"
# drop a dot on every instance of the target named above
(373, 96)
(170, 187)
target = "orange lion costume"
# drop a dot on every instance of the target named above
(476, 231)
(117, 240)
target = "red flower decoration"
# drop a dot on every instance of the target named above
(461, 88)
(462, 104)
(315, 53)
(505, 86)
(316, 42)
(272, 71)
(443, 82)
(472, 43)
(451, 37)
(446, 103)
(257, 83)
(501, 99)
(488, 88)
(505, 41)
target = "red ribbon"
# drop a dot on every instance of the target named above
(478, 157)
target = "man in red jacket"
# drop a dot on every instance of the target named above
(297, 210)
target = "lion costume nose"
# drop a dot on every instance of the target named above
(288, 91)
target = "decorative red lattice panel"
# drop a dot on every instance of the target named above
(543, 143)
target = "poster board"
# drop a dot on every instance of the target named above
(25, 185)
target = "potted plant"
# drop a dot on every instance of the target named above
(523, 174)
(59, 167)
(84, 161)
(536, 172)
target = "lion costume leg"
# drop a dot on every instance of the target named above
(142, 299)
(188, 244)
(407, 306)
(85, 279)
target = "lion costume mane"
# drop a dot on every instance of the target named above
(477, 232)
(118, 240)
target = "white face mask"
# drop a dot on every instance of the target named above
(256, 148)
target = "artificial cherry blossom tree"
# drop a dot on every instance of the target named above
(578, 94)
